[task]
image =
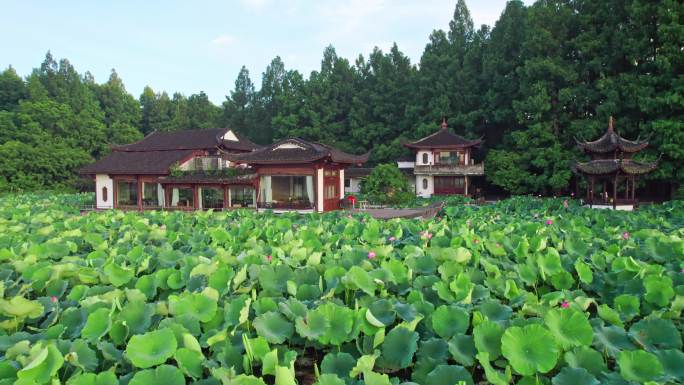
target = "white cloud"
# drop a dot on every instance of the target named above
(256, 5)
(224, 40)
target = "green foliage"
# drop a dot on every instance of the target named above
(388, 185)
(194, 299)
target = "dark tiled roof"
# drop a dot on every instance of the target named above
(611, 141)
(611, 166)
(208, 179)
(187, 140)
(443, 139)
(145, 163)
(242, 144)
(295, 150)
(357, 172)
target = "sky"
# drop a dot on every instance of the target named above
(192, 46)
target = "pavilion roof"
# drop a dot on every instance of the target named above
(296, 150)
(202, 139)
(611, 141)
(137, 162)
(443, 138)
(611, 166)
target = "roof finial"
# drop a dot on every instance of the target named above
(444, 125)
(610, 124)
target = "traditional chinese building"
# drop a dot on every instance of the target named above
(294, 174)
(444, 163)
(184, 170)
(612, 167)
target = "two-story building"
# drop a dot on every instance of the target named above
(443, 163)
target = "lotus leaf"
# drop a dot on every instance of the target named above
(43, 366)
(673, 363)
(104, 378)
(399, 347)
(372, 378)
(196, 305)
(659, 290)
(494, 376)
(487, 338)
(449, 375)
(339, 364)
(462, 349)
(190, 361)
(152, 348)
(329, 379)
(574, 376)
(570, 327)
(639, 366)
(586, 358)
(530, 349)
(656, 333)
(97, 325)
(448, 321)
(273, 327)
(21, 307)
(163, 374)
(361, 279)
(118, 275)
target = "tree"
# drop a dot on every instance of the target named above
(387, 184)
(12, 89)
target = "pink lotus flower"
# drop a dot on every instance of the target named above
(392, 239)
(549, 222)
(625, 235)
(349, 216)
(439, 218)
(371, 254)
(682, 270)
(269, 258)
(565, 304)
(53, 299)
(476, 241)
(565, 203)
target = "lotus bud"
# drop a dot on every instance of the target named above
(53, 299)
(625, 235)
(549, 222)
(371, 254)
(565, 304)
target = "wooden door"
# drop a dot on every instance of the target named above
(331, 190)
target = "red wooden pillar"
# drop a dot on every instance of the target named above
(195, 197)
(225, 196)
(139, 186)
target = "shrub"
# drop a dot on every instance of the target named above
(387, 185)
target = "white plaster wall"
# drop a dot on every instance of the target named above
(319, 189)
(420, 191)
(354, 186)
(103, 180)
(341, 189)
(419, 157)
(404, 164)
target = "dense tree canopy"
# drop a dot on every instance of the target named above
(542, 76)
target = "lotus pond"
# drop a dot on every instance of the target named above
(526, 291)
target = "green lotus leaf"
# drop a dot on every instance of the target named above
(103, 378)
(118, 275)
(364, 364)
(487, 338)
(462, 288)
(292, 309)
(382, 311)
(462, 349)
(586, 358)
(659, 290)
(495, 310)
(584, 272)
(530, 349)
(339, 323)
(639, 366)
(627, 305)
(43, 366)
(574, 376)
(274, 327)
(448, 321)
(673, 363)
(137, 315)
(399, 347)
(197, 305)
(570, 327)
(449, 375)
(434, 348)
(244, 380)
(81, 355)
(21, 307)
(190, 362)
(329, 379)
(549, 263)
(339, 364)
(97, 325)
(493, 376)
(359, 278)
(608, 314)
(576, 246)
(152, 348)
(8, 373)
(612, 340)
(313, 326)
(372, 378)
(163, 374)
(656, 333)
(284, 375)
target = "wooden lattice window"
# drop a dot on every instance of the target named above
(425, 158)
(105, 194)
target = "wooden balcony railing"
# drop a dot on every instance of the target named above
(450, 169)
